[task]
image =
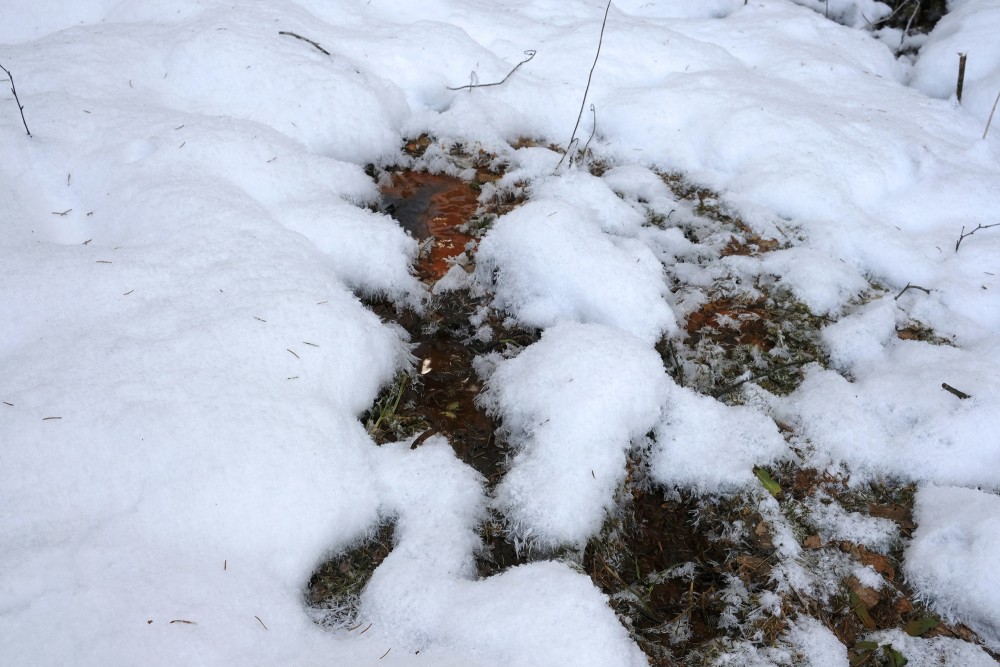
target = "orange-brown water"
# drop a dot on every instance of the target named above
(432, 205)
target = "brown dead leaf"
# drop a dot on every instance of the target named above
(812, 542)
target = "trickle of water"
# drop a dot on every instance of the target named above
(432, 206)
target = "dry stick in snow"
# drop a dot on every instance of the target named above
(304, 39)
(583, 102)
(530, 53)
(961, 76)
(911, 286)
(992, 111)
(963, 234)
(958, 392)
(17, 100)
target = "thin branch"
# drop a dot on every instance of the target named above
(964, 233)
(304, 39)
(530, 53)
(906, 30)
(992, 111)
(909, 286)
(590, 76)
(17, 100)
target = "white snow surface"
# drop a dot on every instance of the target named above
(958, 533)
(572, 404)
(185, 357)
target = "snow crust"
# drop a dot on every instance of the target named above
(185, 357)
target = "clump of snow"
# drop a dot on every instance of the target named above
(425, 592)
(951, 560)
(707, 446)
(572, 403)
(556, 258)
(815, 644)
(835, 523)
(821, 282)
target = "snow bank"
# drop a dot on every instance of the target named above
(969, 27)
(952, 558)
(572, 404)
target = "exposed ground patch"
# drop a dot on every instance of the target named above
(690, 576)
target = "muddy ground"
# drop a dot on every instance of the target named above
(686, 574)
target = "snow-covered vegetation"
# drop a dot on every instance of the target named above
(740, 333)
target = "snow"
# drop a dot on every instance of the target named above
(570, 253)
(958, 532)
(572, 404)
(185, 356)
(967, 28)
(705, 445)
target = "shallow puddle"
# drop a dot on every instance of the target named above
(432, 206)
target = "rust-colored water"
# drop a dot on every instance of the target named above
(432, 205)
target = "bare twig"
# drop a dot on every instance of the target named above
(530, 53)
(906, 30)
(910, 286)
(873, 24)
(304, 39)
(261, 622)
(386, 652)
(964, 233)
(961, 76)
(181, 620)
(590, 76)
(17, 100)
(420, 439)
(992, 111)
(961, 394)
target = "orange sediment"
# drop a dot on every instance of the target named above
(432, 205)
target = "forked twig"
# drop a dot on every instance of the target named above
(17, 100)
(590, 76)
(964, 233)
(530, 53)
(304, 39)
(910, 286)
